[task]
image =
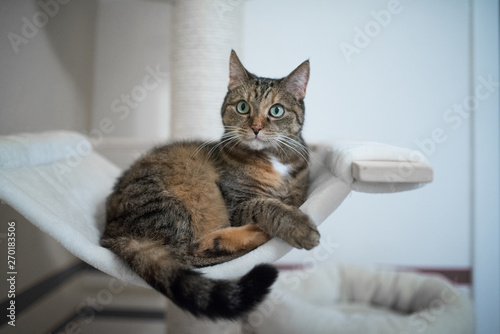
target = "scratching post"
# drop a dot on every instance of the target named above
(203, 34)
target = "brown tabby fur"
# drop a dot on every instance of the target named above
(193, 204)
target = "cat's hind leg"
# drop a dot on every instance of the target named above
(228, 241)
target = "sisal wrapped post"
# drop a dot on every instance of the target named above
(203, 34)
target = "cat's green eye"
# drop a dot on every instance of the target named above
(276, 111)
(243, 108)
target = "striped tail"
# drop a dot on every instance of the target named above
(221, 299)
(189, 289)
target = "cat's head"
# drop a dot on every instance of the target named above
(262, 113)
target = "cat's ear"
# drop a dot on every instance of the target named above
(296, 82)
(237, 73)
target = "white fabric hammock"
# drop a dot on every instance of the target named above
(59, 184)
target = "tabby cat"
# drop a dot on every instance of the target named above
(194, 204)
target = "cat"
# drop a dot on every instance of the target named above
(193, 204)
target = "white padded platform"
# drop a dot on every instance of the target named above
(348, 300)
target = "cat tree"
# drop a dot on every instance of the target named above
(59, 183)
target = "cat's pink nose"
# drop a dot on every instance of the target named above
(256, 127)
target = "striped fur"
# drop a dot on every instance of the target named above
(194, 204)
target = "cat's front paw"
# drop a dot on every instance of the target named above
(303, 234)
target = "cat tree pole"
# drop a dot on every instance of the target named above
(203, 34)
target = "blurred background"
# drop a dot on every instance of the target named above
(130, 74)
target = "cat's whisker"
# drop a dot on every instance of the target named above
(199, 148)
(313, 157)
(294, 146)
(238, 138)
(237, 141)
(213, 149)
(226, 139)
(298, 145)
(277, 142)
(276, 145)
(225, 136)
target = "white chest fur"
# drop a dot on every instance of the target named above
(282, 169)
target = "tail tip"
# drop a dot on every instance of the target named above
(258, 281)
(228, 300)
(262, 274)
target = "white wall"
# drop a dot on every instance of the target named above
(46, 72)
(396, 89)
(131, 83)
(131, 87)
